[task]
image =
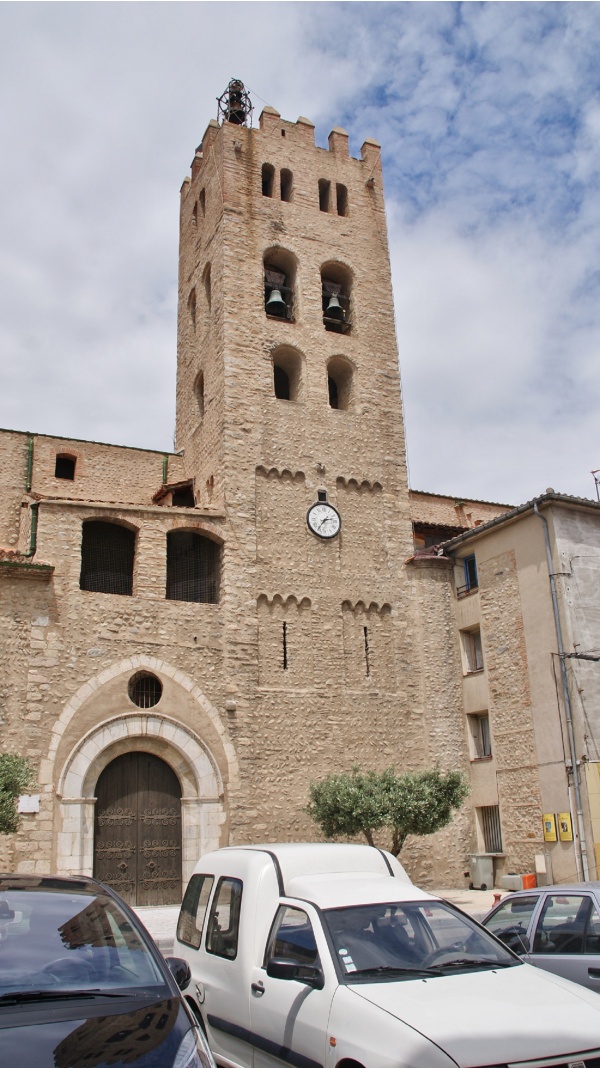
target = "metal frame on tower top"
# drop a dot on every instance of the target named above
(235, 105)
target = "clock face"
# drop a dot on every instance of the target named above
(324, 520)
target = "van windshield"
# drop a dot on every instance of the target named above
(398, 940)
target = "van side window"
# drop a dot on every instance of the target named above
(193, 910)
(223, 924)
(292, 937)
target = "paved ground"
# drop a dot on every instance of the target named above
(161, 922)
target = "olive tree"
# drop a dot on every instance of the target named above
(362, 802)
(16, 775)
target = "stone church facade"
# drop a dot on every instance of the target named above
(189, 638)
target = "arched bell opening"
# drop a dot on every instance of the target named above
(340, 383)
(287, 373)
(279, 284)
(336, 291)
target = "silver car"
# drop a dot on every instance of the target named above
(553, 927)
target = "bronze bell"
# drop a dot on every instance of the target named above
(334, 309)
(276, 304)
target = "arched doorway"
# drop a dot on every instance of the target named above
(137, 829)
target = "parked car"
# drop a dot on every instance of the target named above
(312, 955)
(82, 983)
(554, 927)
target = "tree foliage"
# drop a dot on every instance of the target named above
(16, 776)
(362, 802)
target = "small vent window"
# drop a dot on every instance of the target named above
(145, 690)
(65, 467)
(107, 555)
(192, 567)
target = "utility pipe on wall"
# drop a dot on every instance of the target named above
(566, 698)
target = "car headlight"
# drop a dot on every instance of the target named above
(193, 1051)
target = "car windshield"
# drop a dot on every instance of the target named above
(400, 940)
(69, 941)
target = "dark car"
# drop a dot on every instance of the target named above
(82, 984)
(553, 927)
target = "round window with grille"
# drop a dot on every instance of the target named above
(145, 690)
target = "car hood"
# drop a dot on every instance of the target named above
(491, 1017)
(92, 1032)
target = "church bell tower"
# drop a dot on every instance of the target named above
(289, 415)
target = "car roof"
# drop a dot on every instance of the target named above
(345, 889)
(68, 883)
(555, 888)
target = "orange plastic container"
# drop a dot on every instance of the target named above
(529, 882)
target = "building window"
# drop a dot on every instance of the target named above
(324, 194)
(340, 383)
(64, 466)
(193, 563)
(279, 282)
(285, 184)
(490, 830)
(183, 496)
(336, 285)
(202, 202)
(144, 689)
(471, 582)
(107, 556)
(341, 199)
(268, 179)
(287, 368)
(480, 739)
(472, 650)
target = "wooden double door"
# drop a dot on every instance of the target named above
(137, 832)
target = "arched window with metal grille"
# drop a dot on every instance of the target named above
(107, 557)
(193, 565)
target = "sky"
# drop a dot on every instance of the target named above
(489, 120)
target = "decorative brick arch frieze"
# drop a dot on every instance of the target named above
(203, 810)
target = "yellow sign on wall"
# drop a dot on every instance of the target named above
(549, 827)
(565, 827)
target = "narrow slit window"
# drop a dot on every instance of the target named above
(202, 202)
(284, 645)
(268, 179)
(341, 199)
(285, 184)
(367, 652)
(207, 285)
(192, 307)
(324, 194)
